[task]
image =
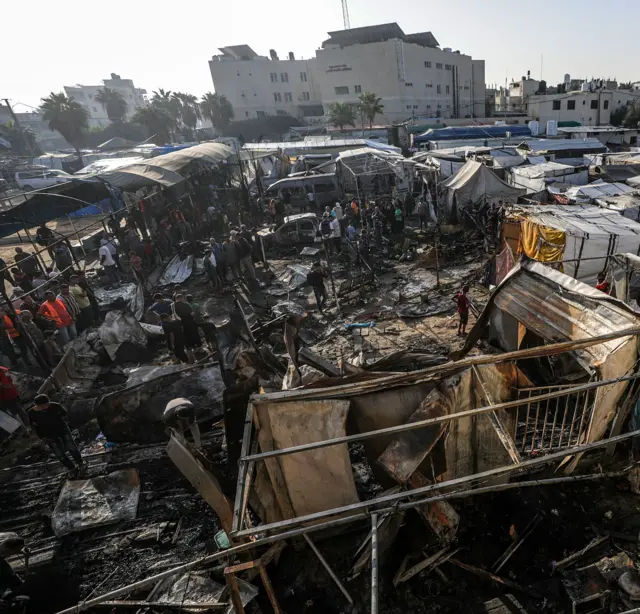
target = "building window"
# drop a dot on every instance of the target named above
(430, 85)
(303, 77)
(571, 105)
(606, 104)
(594, 104)
(439, 89)
(438, 65)
(556, 105)
(281, 112)
(428, 106)
(427, 64)
(341, 90)
(415, 106)
(466, 87)
(357, 89)
(288, 97)
(408, 107)
(284, 77)
(447, 66)
(447, 89)
(277, 97)
(305, 96)
(274, 77)
(408, 84)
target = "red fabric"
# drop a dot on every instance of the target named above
(463, 303)
(57, 312)
(11, 392)
(603, 287)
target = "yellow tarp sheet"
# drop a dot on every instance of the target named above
(542, 243)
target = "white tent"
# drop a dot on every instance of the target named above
(475, 184)
(535, 177)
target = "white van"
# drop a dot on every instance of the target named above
(324, 187)
(36, 179)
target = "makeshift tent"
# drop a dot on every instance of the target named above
(212, 153)
(589, 193)
(108, 164)
(580, 238)
(134, 176)
(536, 177)
(72, 198)
(474, 184)
(472, 132)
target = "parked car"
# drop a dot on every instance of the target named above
(300, 228)
(37, 179)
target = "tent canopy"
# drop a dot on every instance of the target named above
(117, 142)
(134, 176)
(475, 184)
(370, 161)
(206, 152)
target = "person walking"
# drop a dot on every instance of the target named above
(315, 278)
(245, 260)
(10, 399)
(175, 337)
(48, 421)
(44, 238)
(336, 234)
(462, 301)
(211, 268)
(62, 258)
(423, 213)
(54, 310)
(109, 264)
(70, 303)
(26, 262)
(85, 317)
(111, 244)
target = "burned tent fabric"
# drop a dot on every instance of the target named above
(475, 184)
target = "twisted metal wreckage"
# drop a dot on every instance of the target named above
(563, 386)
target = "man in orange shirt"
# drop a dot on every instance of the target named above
(54, 310)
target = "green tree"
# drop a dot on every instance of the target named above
(371, 105)
(632, 117)
(113, 103)
(617, 116)
(156, 121)
(342, 114)
(217, 109)
(164, 100)
(67, 117)
(23, 140)
(189, 110)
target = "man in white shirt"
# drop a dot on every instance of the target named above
(109, 264)
(339, 215)
(335, 234)
(110, 242)
(310, 197)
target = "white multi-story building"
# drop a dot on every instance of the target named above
(409, 72)
(85, 95)
(258, 85)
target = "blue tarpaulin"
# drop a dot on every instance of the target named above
(471, 132)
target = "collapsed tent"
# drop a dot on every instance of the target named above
(472, 132)
(627, 205)
(578, 238)
(474, 185)
(589, 193)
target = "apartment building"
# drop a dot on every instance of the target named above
(258, 85)
(412, 75)
(85, 94)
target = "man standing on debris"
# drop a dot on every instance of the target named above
(211, 268)
(423, 213)
(315, 278)
(245, 252)
(54, 310)
(336, 234)
(463, 310)
(185, 312)
(110, 242)
(85, 317)
(70, 303)
(175, 337)
(26, 262)
(48, 420)
(109, 264)
(231, 257)
(10, 399)
(180, 415)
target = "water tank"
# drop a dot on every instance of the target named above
(567, 79)
(291, 56)
(552, 128)
(448, 49)
(585, 87)
(534, 126)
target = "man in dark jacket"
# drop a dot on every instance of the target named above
(47, 420)
(315, 278)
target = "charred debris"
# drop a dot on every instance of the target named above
(363, 459)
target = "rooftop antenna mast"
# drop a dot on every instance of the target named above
(345, 15)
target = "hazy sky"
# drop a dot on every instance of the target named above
(168, 44)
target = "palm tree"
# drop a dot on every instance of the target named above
(113, 103)
(189, 110)
(218, 109)
(157, 122)
(371, 106)
(67, 117)
(164, 100)
(342, 114)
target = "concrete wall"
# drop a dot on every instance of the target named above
(251, 85)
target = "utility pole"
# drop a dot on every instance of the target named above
(16, 121)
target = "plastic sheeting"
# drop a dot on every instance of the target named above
(177, 271)
(121, 328)
(542, 243)
(87, 504)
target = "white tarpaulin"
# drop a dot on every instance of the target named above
(475, 184)
(536, 177)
